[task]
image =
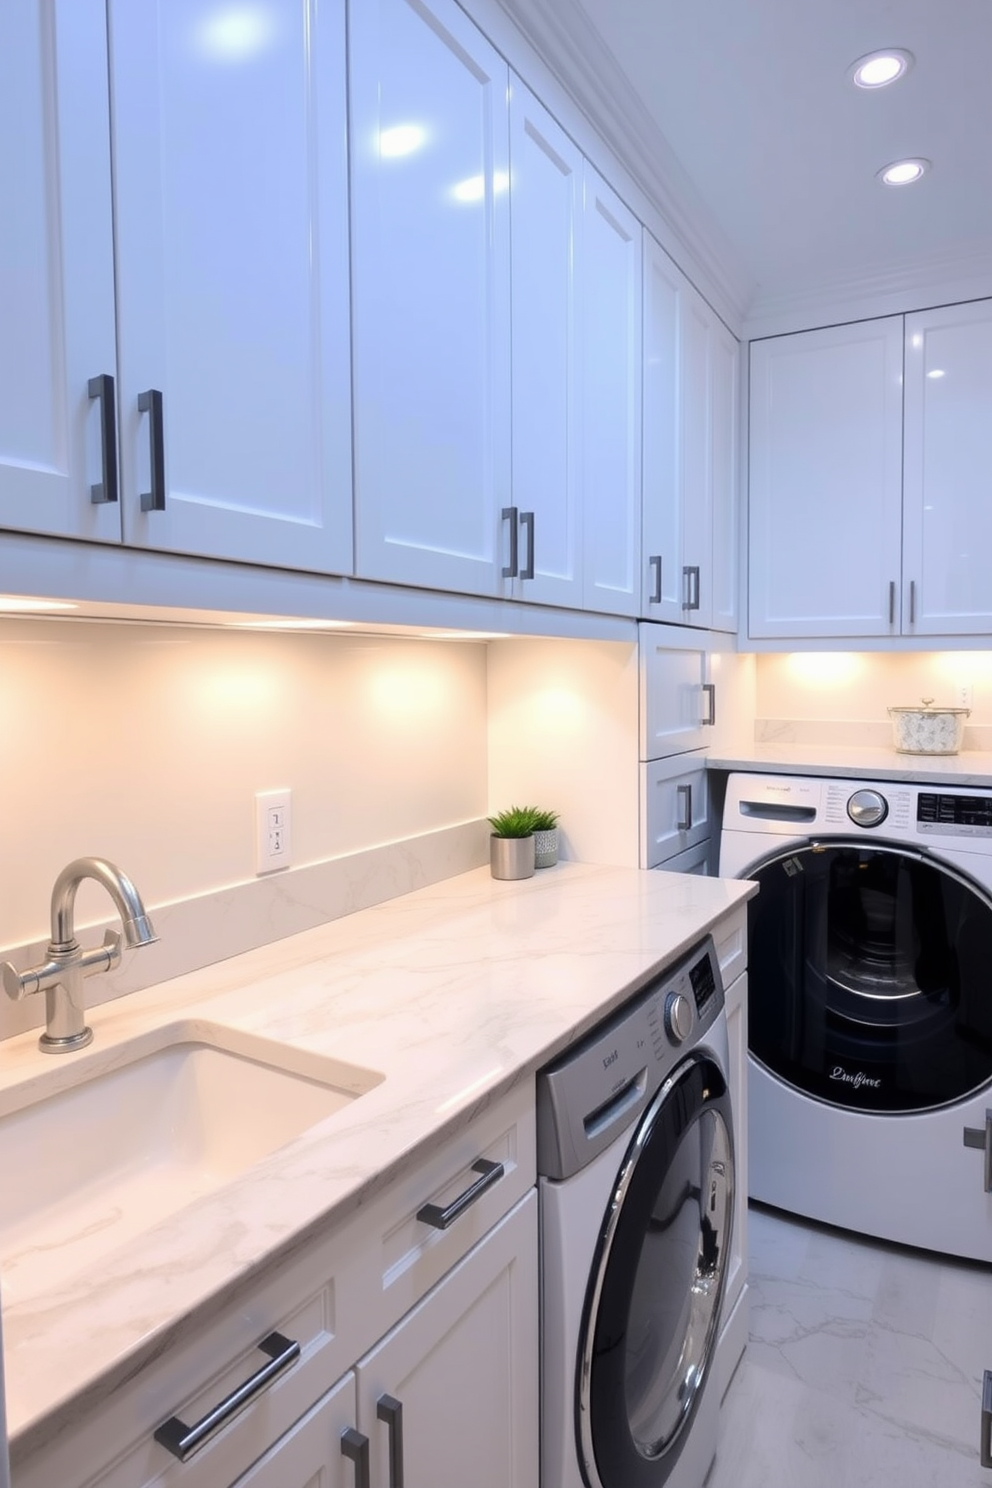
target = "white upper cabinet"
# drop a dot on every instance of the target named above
(56, 272)
(543, 523)
(431, 295)
(231, 221)
(611, 400)
(947, 525)
(690, 525)
(826, 482)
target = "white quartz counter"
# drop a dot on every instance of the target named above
(453, 993)
(860, 762)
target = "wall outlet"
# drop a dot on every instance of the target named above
(272, 830)
(963, 695)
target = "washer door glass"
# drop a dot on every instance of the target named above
(653, 1303)
(869, 977)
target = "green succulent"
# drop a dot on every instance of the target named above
(521, 821)
(518, 821)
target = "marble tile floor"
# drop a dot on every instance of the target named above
(864, 1366)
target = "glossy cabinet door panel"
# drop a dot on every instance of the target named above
(231, 200)
(725, 555)
(826, 482)
(431, 244)
(611, 410)
(546, 208)
(56, 267)
(665, 289)
(463, 1365)
(947, 529)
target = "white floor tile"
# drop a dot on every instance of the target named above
(864, 1366)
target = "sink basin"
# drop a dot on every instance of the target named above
(93, 1154)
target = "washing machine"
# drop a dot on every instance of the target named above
(869, 1003)
(636, 1186)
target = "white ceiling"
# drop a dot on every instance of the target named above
(780, 149)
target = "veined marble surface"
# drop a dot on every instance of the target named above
(454, 992)
(860, 762)
(864, 1366)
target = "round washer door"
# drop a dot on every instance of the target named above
(652, 1306)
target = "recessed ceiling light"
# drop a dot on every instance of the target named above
(879, 69)
(14, 604)
(903, 172)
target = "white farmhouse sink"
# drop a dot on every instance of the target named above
(102, 1148)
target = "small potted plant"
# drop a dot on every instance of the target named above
(545, 837)
(511, 846)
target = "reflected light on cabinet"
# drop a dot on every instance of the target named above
(235, 33)
(473, 188)
(401, 139)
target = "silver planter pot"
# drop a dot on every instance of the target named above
(511, 857)
(546, 848)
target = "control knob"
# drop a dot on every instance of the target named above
(867, 808)
(679, 1017)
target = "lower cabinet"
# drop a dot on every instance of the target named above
(674, 807)
(449, 1397)
(731, 948)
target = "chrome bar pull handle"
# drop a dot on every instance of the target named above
(441, 1219)
(892, 601)
(986, 1442)
(151, 403)
(912, 601)
(527, 523)
(654, 563)
(691, 577)
(685, 822)
(981, 1137)
(511, 569)
(390, 1410)
(185, 1441)
(710, 690)
(102, 387)
(355, 1447)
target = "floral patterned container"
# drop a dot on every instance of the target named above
(928, 730)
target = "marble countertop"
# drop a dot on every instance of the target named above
(860, 762)
(454, 993)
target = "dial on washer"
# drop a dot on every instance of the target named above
(867, 808)
(679, 1017)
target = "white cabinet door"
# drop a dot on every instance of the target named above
(826, 482)
(674, 807)
(431, 295)
(463, 1369)
(232, 257)
(689, 505)
(56, 271)
(736, 1001)
(546, 210)
(677, 699)
(611, 408)
(315, 1453)
(665, 288)
(947, 525)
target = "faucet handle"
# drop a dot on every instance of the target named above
(17, 984)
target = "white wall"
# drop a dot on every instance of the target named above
(563, 735)
(145, 744)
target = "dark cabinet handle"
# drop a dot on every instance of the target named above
(440, 1219)
(511, 569)
(355, 1446)
(151, 403)
(102, 387)
(390, 1410)
(710, 690)
(685, 823)
(691, 576)
(654, 563)
(183, 1441)
(912, 601)
(892, 601)
(527, 523)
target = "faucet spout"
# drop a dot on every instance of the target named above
(138, 930)
(62, 974)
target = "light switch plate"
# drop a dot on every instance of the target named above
(273, 842)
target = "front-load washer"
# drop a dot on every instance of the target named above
(869, 1003)
(636, 1184)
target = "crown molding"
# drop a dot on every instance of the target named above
(573, 50)
(883, 289)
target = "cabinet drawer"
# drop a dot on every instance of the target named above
(674, 807)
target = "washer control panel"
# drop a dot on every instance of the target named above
(954, 814)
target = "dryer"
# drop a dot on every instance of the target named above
(636, 1186)
(870, 1003)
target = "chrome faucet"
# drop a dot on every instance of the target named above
(62, 975)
